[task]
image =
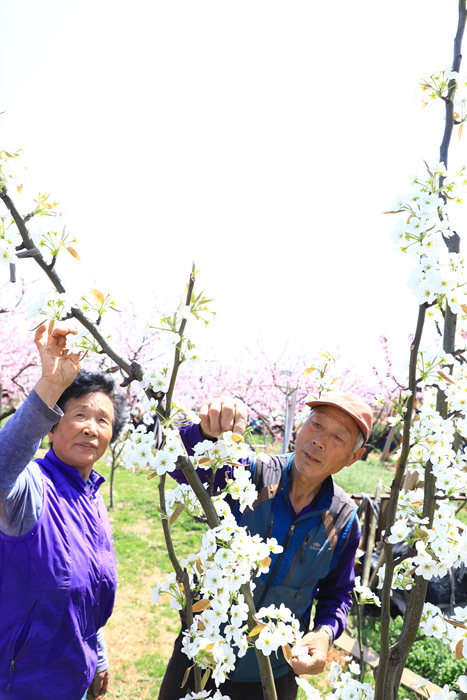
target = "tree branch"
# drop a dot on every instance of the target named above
(382, 670)
(181, 574)
(27, 240)
(7, 412)
(132, 369)
(457, 58)
(177, 363)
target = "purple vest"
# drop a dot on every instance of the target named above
(57, 589)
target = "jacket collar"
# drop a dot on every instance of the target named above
(51, 462)
(323, 499)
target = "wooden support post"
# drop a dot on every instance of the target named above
(370, 543)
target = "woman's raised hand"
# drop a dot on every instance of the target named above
(59, 366)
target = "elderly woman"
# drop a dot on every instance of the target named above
(57, 563)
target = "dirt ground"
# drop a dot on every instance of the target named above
(127, 638)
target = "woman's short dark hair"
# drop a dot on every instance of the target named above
(89, 383)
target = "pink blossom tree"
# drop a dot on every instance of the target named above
(19, 360)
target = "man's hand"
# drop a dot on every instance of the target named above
(317, 644)
(59, 367)
(220, 415)
(99, 685)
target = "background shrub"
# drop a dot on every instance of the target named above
(429, 657)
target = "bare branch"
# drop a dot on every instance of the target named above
(7, 412)
(457, 58)
(177, 362)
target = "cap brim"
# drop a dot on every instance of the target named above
(363, 427)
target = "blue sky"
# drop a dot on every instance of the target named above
(260, 139)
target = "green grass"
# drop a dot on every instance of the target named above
(257, 441)
(363, 476)
(136, 525)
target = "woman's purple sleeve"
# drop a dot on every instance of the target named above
(191, 436)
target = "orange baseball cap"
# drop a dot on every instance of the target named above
(351, 404)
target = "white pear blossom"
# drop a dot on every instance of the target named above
(52, 305)
(242, 489)
(183, 493)
(7, 252)
(156, 379)
(310, 692)
(365, 594)
(445, 694)
(399, 531)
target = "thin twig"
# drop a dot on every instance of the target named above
(177, 362)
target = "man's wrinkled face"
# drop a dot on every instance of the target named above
(83, 434)
(326, 443)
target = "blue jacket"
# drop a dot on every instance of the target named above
(319, 544)
(313, 541)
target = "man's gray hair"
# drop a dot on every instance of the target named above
(360, 440)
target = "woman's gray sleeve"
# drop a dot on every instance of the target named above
(20, 479)
(102, 660)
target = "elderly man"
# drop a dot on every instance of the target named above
(315, 521)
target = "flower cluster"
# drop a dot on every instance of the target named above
(142, 450)
(49, 238)
(171, 586)
(438, 546)
(54, 241)
(434, 547)
(434, 550)
(8, 242)
(324, 378)
(83, 340)
(228, 559)
(422, 231)
(174, 338)
(446, 84)
(40, 209)
(50, 305)
(434, 543)
(345, 686)
(306, 691)
(182, 495)
(452, 631)
(227, 450)
(57, 306)
(241, 489)
(365, 594)
(279, 629)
